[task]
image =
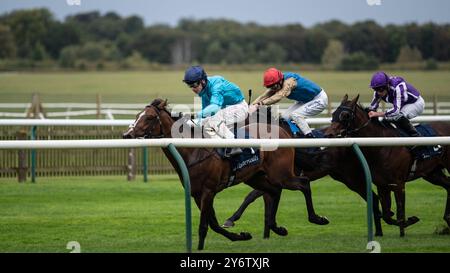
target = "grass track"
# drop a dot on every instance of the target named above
(144, 86)
(107, 214)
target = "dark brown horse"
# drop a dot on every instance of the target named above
(391, 166)
(209, 173)
(340, 163)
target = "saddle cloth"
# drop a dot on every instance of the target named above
(424, 152)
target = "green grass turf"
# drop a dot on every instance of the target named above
(108, 214)
(144, 86)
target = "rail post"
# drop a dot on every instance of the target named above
(368, 177)
(145, 163)
(187, 194)
(33, 155)
(22, 157)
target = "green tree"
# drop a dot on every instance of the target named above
(333, 54)
(408, 54)
(367, 37)
(273, 53)
(358, 61)
(235, 54)
(29, 27)
(7, 45)
(214, 53)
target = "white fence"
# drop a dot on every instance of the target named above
(126, 122)
(69, 110)
(268, 144)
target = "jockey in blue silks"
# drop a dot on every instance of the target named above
(222, 104)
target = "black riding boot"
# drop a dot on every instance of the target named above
(404, 124)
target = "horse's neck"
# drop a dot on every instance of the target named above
(373, 128)
(190, 155)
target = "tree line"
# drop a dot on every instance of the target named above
(93, 37)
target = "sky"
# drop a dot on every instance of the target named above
(264, 12)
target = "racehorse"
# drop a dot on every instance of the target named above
(209, 173)
(392, 167)
(340, 163)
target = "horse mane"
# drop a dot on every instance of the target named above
(156, 102)
(377, 122)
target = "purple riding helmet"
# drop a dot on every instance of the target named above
(379, 79)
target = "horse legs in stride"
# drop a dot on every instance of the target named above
(208, 217)
(252, 196)
(271, 202)
(384, 194)
(437, 177)
(400, 201)
(360, 189)
(302, 184)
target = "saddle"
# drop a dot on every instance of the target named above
(248, 157)
(422, 152)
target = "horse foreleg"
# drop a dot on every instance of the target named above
(302, 184)
(437, 177)
(360, 189)
(400, 201)
(384, 194)
(214, 224)
(205, 205)
(271, 202)
(252, 196)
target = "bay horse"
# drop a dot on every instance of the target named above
(209, 173)
(391, 166)
(318, 164)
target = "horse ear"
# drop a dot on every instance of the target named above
(345, 98)
(355, 100)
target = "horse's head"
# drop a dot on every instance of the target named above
(348, 118)
(148, 123)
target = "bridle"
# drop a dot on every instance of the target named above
(151, 128)
(347, 120)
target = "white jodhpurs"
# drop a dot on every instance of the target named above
(299, 111)
(221, 124)
(409, 111)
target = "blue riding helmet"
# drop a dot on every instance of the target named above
(194, 74)
(379, 79)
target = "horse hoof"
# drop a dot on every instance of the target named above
(319, 220)
(443, 230)
(412, 220)
(280, 231)
(390, 221)
(245, 236)
(379, 234)
(228, 224)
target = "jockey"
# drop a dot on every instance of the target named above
(222, 104)
(310, 98)
(405, 98)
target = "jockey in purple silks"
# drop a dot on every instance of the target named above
(406, 100)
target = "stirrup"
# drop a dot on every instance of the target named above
(233, 152)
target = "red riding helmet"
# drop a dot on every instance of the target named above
(272, 76)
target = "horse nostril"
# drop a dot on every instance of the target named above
(126, 136)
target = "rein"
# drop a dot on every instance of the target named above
(197, 161)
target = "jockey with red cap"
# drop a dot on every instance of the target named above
(406, 100)
(310, 99)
